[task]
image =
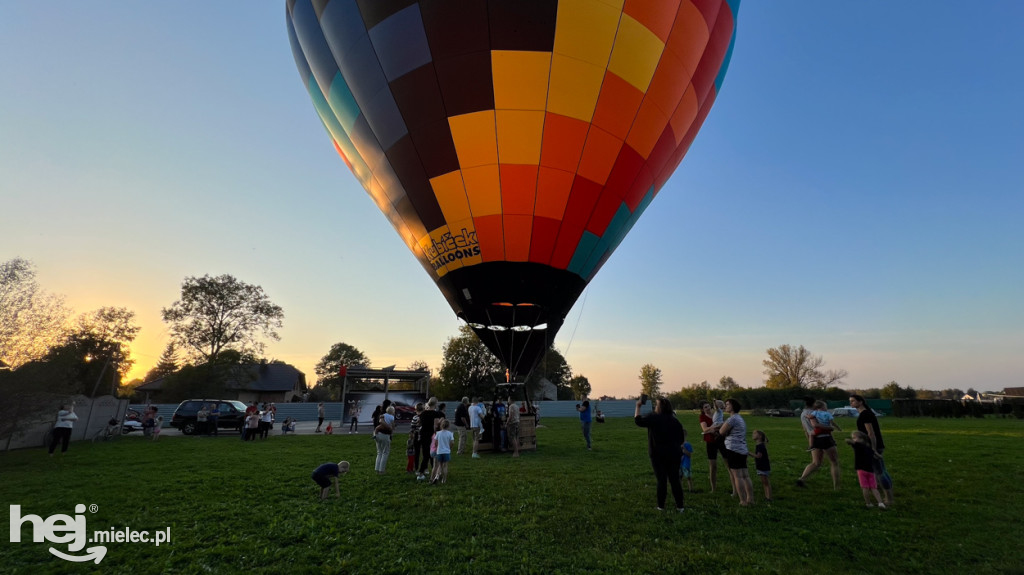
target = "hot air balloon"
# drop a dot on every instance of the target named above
(512, 143)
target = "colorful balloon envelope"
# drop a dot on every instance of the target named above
(512, 143)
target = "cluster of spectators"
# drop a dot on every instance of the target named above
(724, 432)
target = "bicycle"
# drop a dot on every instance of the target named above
(109, 432)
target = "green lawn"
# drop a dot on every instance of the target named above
(237, 507)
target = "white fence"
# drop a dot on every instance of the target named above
(93, 414)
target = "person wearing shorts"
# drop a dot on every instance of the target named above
(735, 431)
(822, 445)
(863, 461)
(709, 429)
(328, 472)
(444, 439)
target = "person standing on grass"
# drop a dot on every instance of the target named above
(382, 437)
(822, 445)
(685, 471)
(66, 419)
(319, 416)
(477, 413)
(863, 462)
(867, 423)
(327, 473)
(156, 427)
(427, 419)
(462, 423)
(266, 422)
(414, 435)
(252, 427)
(665, 436)
(585, 419)
(735, 432)
(709, 429)
(444, 440)
(762, 464)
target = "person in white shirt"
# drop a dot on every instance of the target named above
(477, 412)
(444, 452)
(66, 419)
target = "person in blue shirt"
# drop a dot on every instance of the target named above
(684, 464)
(585, 419)
(327, 473)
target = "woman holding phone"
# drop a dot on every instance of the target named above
(664, 442)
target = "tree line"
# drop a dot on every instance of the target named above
(220, 323)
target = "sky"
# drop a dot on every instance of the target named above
(858, 189)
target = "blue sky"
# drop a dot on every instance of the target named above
(858, 189)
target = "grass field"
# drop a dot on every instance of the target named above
(251, 507)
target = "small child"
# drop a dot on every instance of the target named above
(329, 430)
(410, 452)
(762, 463)
(684, 464)
(156, 427)
(252, 424)
(864, 462)
(434, 467)
(326, 473)
(822, 420)
(444, 440)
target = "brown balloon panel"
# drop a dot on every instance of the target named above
(517, 132)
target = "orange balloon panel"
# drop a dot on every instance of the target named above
(526, 132)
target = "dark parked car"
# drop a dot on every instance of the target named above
(231, 416)
(780, 413)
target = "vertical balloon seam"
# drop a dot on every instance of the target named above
(590, 126)
(586, 251)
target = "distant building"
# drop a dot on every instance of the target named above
(275, 382)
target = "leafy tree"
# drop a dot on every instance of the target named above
(467, 367)
(691, 396)
(650, 380)
(80, 365)
(220, 313)
(788, 367)
(580, 387)
(329, 366)
(191, 381)
(727, 385)
(419, 365)
(112, 329)
(31, 320)
(892, 390)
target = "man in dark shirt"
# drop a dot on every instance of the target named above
(462, 422)
(427, 419)
(867, 422)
